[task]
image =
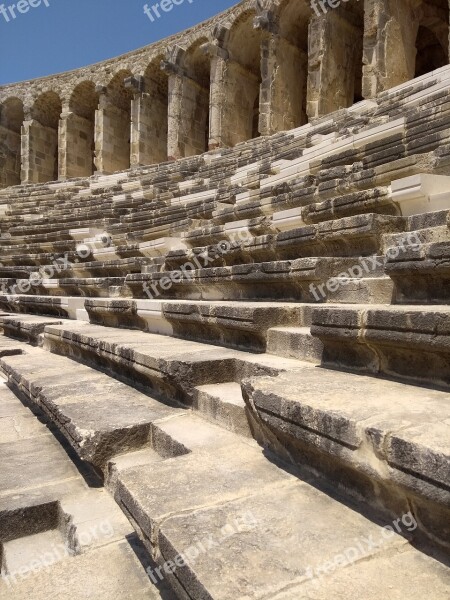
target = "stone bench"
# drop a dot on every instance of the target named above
(374, 439)
(8, 252)
(26, 327)
(359, 235)
(295, 279)
(83, 286)
(55, 306)
(422, 275)
(409, 343)
(210, 234)
(242, 325)
(166, 367)
(375, 200)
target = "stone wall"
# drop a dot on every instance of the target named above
(261, 67)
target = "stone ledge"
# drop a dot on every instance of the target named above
(391, 448)
(404, 342)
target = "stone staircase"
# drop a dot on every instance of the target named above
(248, 351)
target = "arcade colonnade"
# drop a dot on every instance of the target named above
(263, 67)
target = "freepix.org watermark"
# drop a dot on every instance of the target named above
(156, 11)
(102, 532)
(241, 523)
(11, 12)
(325, 5)
(361, 548)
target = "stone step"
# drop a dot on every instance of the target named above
(422, 275)
(197, 512)
(404, 342)
(100, 417)
(294, 280)
(294, 342)
(54, 306)
(113, 571)
(26, 327)
(383, 442)
(240, 325)
(223, 403)
(352, 236)
(56, 527)
(9, 347)
(167, 367)
(210, 495)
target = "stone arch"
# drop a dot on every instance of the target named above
(432, 39)
(150, 116)
(11, 120)
(245, 79)
(77, 139)
(40, 157)
(84, 100)
(47, 109)
(113, 125)
(12, 114)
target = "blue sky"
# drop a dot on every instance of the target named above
(72, 33)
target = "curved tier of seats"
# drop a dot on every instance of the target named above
(260, 331)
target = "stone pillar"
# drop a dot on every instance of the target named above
(234, 91)
(333, 59)
(39, 145)
(390, 32)
(9, 157)
(219, 135)
(112, 135)
(76, 145)
(188, 113)
(148, 123)
(284, 69)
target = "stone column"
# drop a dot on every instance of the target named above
(9, 157)
(234, 90)
(76, 145)
(284, 69)
(390, 32)
(333, 60)
(219, 134)
(112, 135)
(148, 122)
(39, 146)
(188, 112)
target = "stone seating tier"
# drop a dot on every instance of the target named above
(301, 360)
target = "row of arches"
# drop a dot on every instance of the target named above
(257, 76)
